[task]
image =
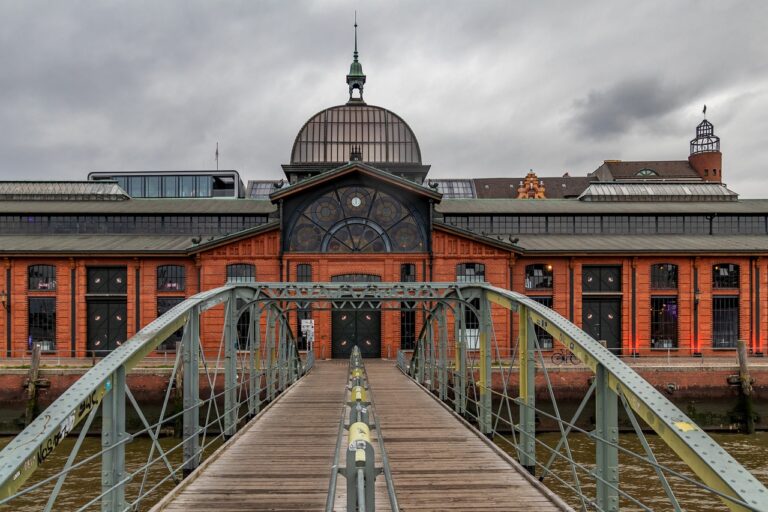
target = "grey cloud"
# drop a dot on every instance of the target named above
(491, 88)
(612, 111)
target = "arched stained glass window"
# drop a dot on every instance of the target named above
(357, 219)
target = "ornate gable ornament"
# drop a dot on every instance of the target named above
(531, 187)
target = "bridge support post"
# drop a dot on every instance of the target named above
(606, 452)
(460, 373)
(429, 355)
(443, 353)
(282, 352)
(254, 362)
(270, 354)
(484, 413)
(527, 375)
(230, 367)
(112, 437)
(190, 342)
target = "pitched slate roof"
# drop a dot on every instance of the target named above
(181, 206)
(123, 243)
(635, 244)
(620, 169)
(94, 244)
(556, 187)
(574, 207)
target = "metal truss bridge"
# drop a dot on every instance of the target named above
(449, 426)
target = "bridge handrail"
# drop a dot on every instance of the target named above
(738, 488)
(30, 448)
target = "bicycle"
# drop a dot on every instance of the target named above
(562, 356)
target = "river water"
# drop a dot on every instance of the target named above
(638, 480)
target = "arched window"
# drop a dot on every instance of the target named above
(42, 277)
(725, 275)
(357, 219)
(538, 277)
(241, 273)
(663, 276)
(470, 273)
(646, 172)
(170, 278)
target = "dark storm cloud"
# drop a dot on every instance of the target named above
(491, 88)
(618, 108)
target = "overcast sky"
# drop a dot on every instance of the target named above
(490, 88)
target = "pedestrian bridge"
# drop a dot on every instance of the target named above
(262, 428)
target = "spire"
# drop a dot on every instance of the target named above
(356, 77)
(354, 55)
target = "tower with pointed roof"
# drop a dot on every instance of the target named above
(356, 77)
(706, 158)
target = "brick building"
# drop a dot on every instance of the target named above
(652, 255)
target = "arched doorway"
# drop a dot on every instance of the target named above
(361, 327)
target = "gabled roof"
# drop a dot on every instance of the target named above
(353, 168)
(677, 169)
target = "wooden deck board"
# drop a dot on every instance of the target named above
(282, 460)
(437, 463)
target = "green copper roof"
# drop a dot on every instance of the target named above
(356, 69)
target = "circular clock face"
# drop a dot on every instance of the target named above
(356, 201)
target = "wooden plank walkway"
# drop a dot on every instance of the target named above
(437, 463)
(282, 460)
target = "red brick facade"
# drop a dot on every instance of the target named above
(503, 268)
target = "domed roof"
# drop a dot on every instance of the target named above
(381, 136)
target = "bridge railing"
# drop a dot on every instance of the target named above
(214, 386)
(495, 386)
(358, 419)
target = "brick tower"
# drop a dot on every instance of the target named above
(706, 158)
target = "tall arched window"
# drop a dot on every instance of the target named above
(538, 277)
(170, 278)
(725, 275)
(241, 273)
(42, 277)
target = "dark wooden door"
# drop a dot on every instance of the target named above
(601, 319)
(107, 326)
(361, 328)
